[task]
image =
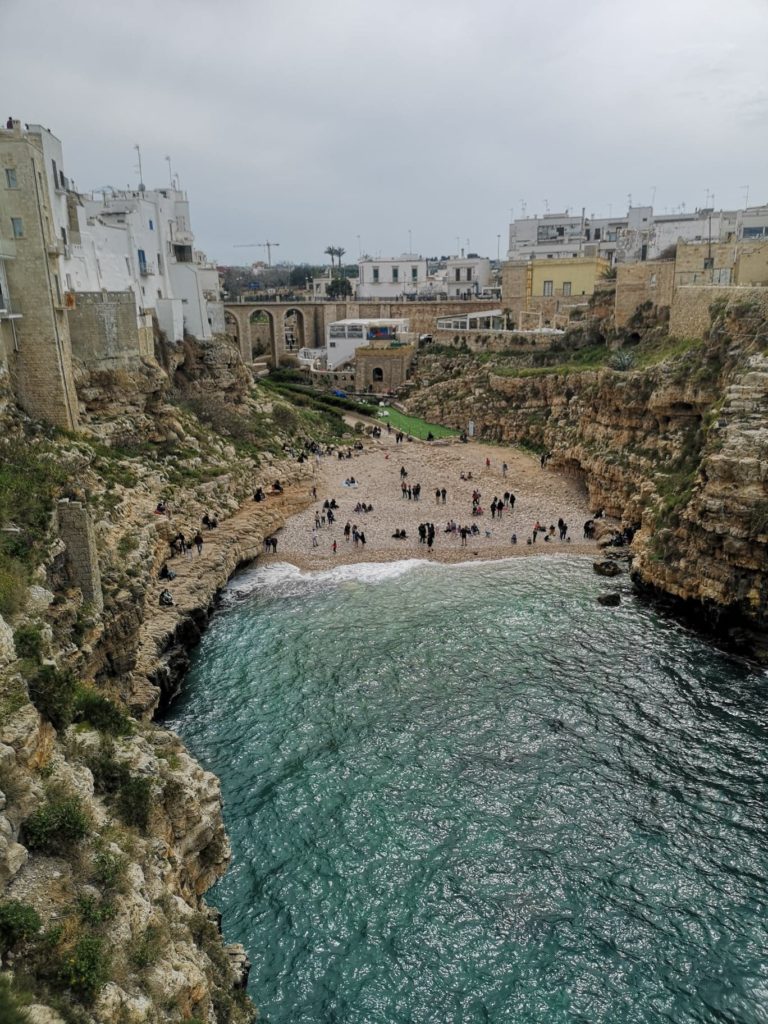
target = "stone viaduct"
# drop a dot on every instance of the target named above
(268, 330)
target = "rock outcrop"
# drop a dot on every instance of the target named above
(677, 450)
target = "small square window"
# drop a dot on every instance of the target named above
(10, 177)
(17, 227)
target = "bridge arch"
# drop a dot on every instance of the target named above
(263, 339)
(294, 329)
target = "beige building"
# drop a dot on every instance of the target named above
(546, 288)
(638, 283)
(383, 369)
(34, 330)
(722, 263)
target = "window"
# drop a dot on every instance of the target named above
(58, 289)
(548, 288)
(644, 252)
(709, 263)
(469, 273)
(395, 275)
(64, 235)
(17, 227)
(142, 261)
(55, 174)
(159, 263)
(375, 275)
(457, 273)
(414, 273)
(652, 281)
(566, 287)
(127, 264)
(10, 177)
(69, 283)
(151, 225)
(377, 375)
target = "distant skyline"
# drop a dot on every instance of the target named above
(371, 126)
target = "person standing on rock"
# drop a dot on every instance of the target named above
(198, 542)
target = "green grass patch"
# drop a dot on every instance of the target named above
(414, 426)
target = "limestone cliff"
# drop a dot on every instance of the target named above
(110, 833)
(672, 441)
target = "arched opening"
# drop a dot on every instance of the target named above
(294, 335)
(377, 375)
(262, 325)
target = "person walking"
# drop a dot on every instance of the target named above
(198, 542)
(504, 469)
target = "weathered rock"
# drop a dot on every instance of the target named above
(7, 649)
(609, 600)
(607, 567)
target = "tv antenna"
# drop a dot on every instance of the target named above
(745, 190)
(269, 246)
(142, 187)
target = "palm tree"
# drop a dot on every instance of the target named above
(340, 250)
(331, 251)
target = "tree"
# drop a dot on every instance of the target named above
(331, 251)
(339, 288)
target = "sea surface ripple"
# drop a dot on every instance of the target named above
(468, 793)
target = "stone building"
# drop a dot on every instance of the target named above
(540, 291)
(381, 369)
(638, 283)
(34, 329)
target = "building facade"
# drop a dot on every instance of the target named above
(393, 278)
(345, 337)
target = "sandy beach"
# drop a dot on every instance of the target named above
(540, 495)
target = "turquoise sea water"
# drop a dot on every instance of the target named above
(468, 793)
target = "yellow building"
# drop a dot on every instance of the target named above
(548, 289)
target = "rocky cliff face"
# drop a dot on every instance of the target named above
(676, 449)
(110, 833)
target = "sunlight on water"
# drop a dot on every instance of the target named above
(468, 793)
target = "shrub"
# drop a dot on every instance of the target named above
(109, 774)
(101, 712)
(9, 1008)
(84, 969)
(621, 361)
(109, 869)
(52, 691)
(146, 948)
(58, 825)
(28, 641)
(134, 801)
(13, 586)
(18, 923)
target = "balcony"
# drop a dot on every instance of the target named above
(9, 310)
(7, 249)
(146, 269)
(55, 247)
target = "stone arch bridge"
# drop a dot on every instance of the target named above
(268, 330)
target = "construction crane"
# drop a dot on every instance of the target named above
(269, 246)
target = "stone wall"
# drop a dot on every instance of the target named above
(76, 530)
(494, 341)
(637, 283)
(690, 316)
(104, 330)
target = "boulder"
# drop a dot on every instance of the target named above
(607, 567)
(609, 600)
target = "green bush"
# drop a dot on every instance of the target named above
(109, 774)
(9, 1008)
(147, 948)
(18, 923)
(101, 712)
(28, 641)
(52, 691)
(134, 801)
(13, 586)
(109, 870)
(84, 969)
(58, 825)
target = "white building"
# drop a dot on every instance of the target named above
(140, 241)
(465, 276)
(392, 278)
(345, 337)
(640, 234)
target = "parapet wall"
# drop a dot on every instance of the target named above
(690, 315)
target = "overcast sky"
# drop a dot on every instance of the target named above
(351, 123)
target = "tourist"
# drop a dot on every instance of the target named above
(487, 463)
(315, 541)
(198, 542)
(334, 547)
(437, 496)
(259, 495)
(443, 494)
(514, 538)
(347, 530)
(361, 535)
(504, 469)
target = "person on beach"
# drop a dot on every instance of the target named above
(487, 463)
(443, 494)
(504, 469)
(334, 547)
(437, 496)
(315, 541)
(362, 538)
